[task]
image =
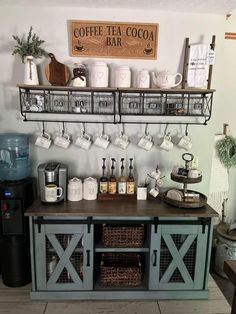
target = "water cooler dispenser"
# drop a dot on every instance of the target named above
(17, 192)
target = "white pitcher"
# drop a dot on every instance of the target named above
(30, 72)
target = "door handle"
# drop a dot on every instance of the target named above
(155, 258)
(88, 258)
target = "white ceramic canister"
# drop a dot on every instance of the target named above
(123, 77)
(90, 189)
(75, 190)
(143, 79)
(99, 74)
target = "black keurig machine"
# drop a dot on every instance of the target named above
(15, 198)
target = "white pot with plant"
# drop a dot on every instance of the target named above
(29, 49)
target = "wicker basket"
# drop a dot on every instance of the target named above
(123, 236)
(121, 270)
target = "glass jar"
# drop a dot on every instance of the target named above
(99, 74)
(79, 75)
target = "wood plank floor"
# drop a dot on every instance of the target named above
(17, 301)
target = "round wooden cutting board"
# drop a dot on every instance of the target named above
(57, 73)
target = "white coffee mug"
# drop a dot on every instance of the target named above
(194, 173)
(84, 141)
(51, 192)
(43, 140)
(102, 141)
(154, 192)
(122, 141)
(62, 141)
(146, 142)
(166, 143)
(185, 142)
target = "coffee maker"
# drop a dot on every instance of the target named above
(52, 173)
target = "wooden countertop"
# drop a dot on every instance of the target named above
(126, 208)
(230, 270)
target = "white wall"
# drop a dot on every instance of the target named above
(51, 24)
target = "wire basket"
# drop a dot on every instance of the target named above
(120, 270)
(123, 236)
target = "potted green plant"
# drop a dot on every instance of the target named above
(28, 49)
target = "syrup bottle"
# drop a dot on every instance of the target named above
(130, 179)
(103, 183)
(122, 179)
(112, 179)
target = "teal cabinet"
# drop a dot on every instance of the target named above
(178, 255)
(63, 256)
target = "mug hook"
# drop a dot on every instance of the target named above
(83, 127)
(63, 128)
(146, 127)
(122, 129)
(186, 130)
(167, 124)
(43, 127)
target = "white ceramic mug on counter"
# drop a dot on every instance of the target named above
(51, 192)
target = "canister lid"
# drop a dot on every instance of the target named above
(123, 68)
(99, 63)
(75, 181)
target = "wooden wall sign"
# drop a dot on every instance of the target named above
(114, 39)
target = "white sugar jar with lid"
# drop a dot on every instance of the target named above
(90, 189)
(123, 77)
(143, 79)
(99, 74)
(75, 190)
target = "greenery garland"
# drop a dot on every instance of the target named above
(226, 151)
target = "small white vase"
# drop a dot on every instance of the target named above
(30, 75)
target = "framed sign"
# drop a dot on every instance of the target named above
(114, 39)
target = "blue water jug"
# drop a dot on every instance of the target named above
(14, 156)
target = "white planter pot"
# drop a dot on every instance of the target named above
(30, 72)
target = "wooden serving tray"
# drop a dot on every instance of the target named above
(184, 179)
(202, 201)
(116, 196)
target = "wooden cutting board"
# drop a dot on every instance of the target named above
(57, 73)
